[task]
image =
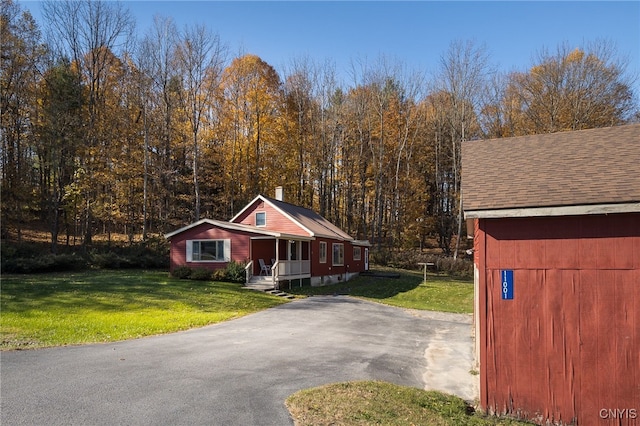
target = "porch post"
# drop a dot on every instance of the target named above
(277, 250)
(274, 274)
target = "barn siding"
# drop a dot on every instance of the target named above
(568, 345)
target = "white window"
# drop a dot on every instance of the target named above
(357, 253)
(338, 254)
(208, 250)
(261, 219)
(323, 252)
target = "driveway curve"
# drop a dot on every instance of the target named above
(237, 372)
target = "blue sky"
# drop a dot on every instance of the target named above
(415, 33)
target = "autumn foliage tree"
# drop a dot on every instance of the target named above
(570, 89)
(251, 129)
(22, 52)
(200, 57)
(59, 138)
(104, 133)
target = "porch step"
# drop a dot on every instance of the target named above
(266, 285)
(268, 288)
(260, 286)
(280, 294)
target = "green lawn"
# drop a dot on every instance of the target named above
(380, 403)
(438, 293)
(103, 306)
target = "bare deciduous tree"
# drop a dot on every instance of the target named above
(462, 77)
(91, 33)
(200, 57)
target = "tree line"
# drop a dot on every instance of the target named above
(105, 132)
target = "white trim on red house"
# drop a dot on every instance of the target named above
(226, 251)
(239, 227)
(554, 211)
(285, 214)
(264, 214)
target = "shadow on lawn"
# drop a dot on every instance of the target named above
(112, 291)
(376, 285)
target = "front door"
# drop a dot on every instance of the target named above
(366, 259)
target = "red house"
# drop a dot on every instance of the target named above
(557, 273)
(279, 241)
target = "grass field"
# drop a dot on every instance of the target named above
(380, 403)
(43, 310)
(438, 293)
(101, 306)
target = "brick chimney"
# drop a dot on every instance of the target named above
(279, 193)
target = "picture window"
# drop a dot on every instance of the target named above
(208, 250)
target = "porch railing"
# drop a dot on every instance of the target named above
(291, 268)
(248, 271)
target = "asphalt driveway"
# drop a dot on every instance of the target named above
(237, 372)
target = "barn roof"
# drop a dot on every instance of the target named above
(577, 172)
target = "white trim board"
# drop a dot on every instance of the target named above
(554, 211)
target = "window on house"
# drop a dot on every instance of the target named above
(323, 252)
(261, 218)
(338, 254)
(208, 250)
(357, 253)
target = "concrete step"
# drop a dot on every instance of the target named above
(266, 285)
(259, 286)
(281, 294)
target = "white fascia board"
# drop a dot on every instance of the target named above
(265, 200)
(311, 234)
(333, 237)
(239, 227)
(554, 211)
(246, 207)
(264, 233)
(184, 228)
(273, 235)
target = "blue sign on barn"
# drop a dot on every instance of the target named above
(507, 284)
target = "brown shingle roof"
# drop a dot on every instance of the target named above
(586, 167)
(311, 220)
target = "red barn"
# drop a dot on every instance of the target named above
(278, 240)
(556, 221)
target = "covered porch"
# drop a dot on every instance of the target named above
(274, 260)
